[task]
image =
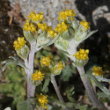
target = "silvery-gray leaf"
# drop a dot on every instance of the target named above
(101, 78)
(89, 34)
(8, 108)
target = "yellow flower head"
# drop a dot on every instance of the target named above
(97, 70)
(61, 27)
(52, 33)
(38, 76)
(19, 43)
(60, 66)
(82, 54)
(85, 24)
(63, 15)
(42, 26)
(36, 16)
(43, 101)
(45, 61)
(29, 27)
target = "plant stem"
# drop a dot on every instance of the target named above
(30, 88)
(29, 70)
(90, 91)
(88, 86)
(53, 81)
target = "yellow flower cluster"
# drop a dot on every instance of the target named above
(36, 16)
(61, 27)
(85, 24)
(52, 33)
(38, 75)
(63, 15)
(82, 54)
(60, 66)
(45, 61)
(29, 27)
(42, 99)
(19, 43)
(43, 26)
(97, 70)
